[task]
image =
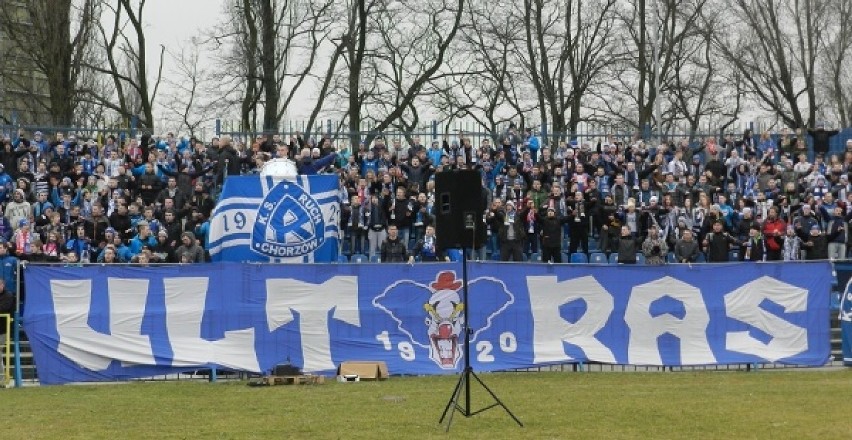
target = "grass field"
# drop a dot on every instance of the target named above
(765, 404)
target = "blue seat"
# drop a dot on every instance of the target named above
(701, 258)
(613, 258)
(593, 244)
(342, 258)
(359, 258)
(375, 259)
(598, 258)
(734, 255)
(640, 258)
(535, 256)
(566, 257)
(670, 258)
(579, 257)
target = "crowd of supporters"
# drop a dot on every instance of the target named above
(148, 199)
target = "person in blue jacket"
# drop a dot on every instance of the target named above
(532, 144)
(8, 267)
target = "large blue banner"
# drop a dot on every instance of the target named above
(119, 322)
(269, 219)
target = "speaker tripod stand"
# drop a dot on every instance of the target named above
(462, 389)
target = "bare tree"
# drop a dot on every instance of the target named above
(701, 89)
(663, 39)
(123, 45)
(393, 53)
(566, 46)
(272, 49)
(775, 48)
(489, 88)
(52, 45)
(833, 85)
(192, 96)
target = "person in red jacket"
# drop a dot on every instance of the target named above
(773, 234)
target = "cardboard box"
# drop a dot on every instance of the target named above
(364, 370)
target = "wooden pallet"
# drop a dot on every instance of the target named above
(292, 380)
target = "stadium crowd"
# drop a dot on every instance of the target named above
(148, 199)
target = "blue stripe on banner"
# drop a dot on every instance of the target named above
(120, 322)
(229, 237)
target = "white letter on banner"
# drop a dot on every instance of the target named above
(743, 305)
(645, 329)
(72, 301)
(313, 302)
(185, 304)
(550, 330)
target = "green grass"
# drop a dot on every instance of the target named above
(766, 404)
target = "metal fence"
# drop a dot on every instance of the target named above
(434, 130)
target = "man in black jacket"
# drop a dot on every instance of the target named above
(551, 236)
(821, 137)
(512, 233)
(718, 243)
(393, 249)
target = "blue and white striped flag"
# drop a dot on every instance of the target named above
(270, 219)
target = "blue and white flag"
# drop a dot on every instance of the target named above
(268, 219)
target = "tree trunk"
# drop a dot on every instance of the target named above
(267, 60)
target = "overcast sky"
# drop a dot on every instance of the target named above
(173, 23)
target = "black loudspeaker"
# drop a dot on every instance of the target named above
(459, 209)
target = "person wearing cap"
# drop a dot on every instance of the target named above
(23, 238)
(753, 247)
(804, 221)
(164, 252)
(550, 234)
(511, 234)
(815, 243)
(717, 243)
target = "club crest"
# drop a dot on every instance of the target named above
(289, 223)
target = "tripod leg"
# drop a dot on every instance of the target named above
(496, 399)
(454, 398)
